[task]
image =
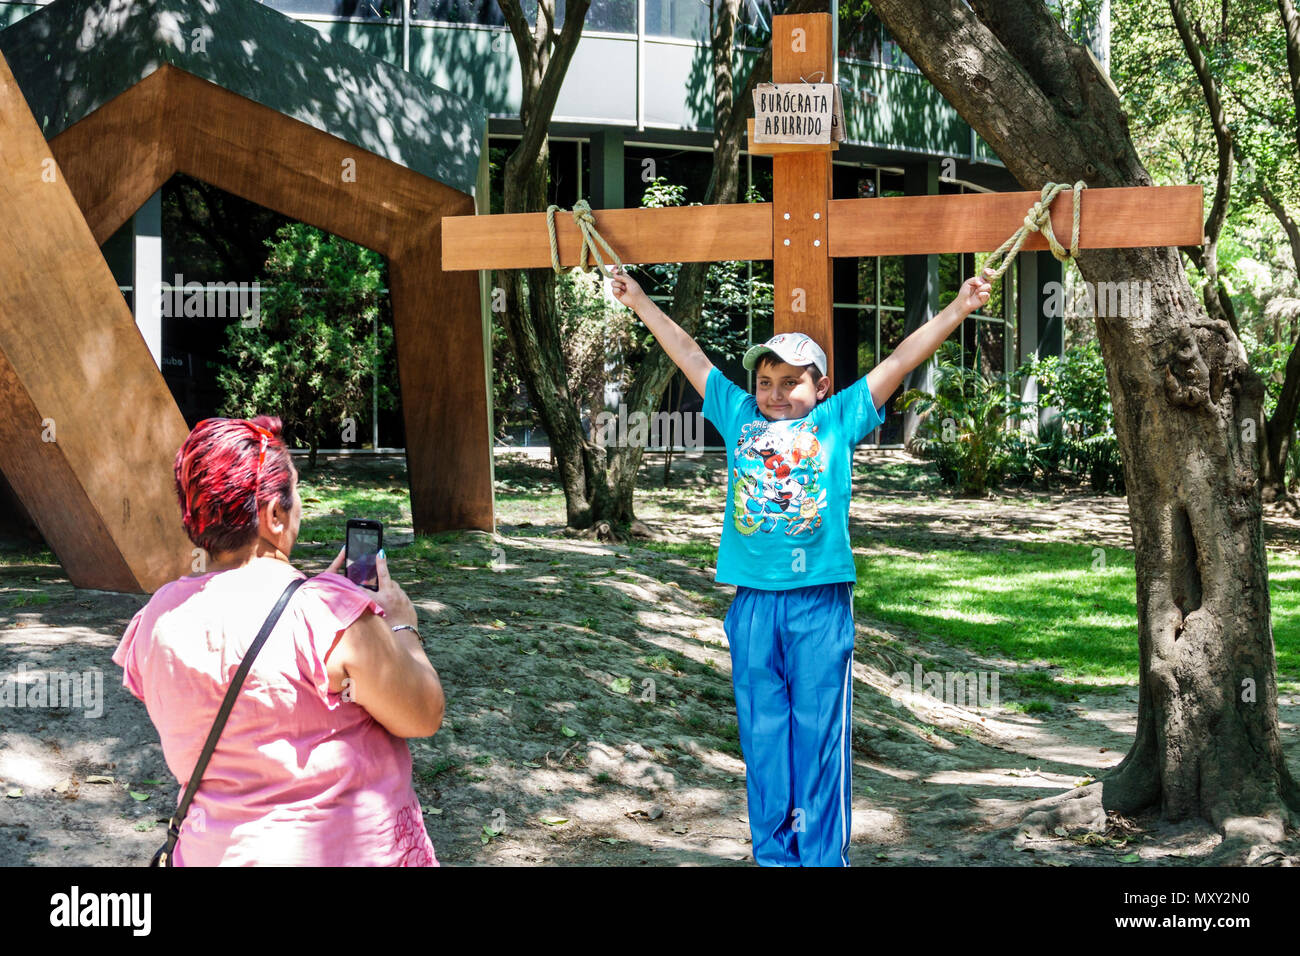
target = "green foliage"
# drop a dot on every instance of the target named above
(510, 405)
(1084, 435)
(1245, 53)
(1269, 358)
(1078, 18)
(510, 408)
(311, 358)
(599, 337)
(963, 423)
(964, 427)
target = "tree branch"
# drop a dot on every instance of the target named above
(1288, 224)
(518, 24)
(548, 90)
(1218, 120)
(1022, 27)
(1271, 118)
(1286, 9)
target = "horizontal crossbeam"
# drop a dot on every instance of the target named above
(906, 225)
(670, 234)
(980, 222)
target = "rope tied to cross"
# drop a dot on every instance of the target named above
(592, 240)
(1038, 218)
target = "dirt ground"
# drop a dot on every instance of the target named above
(590, 716)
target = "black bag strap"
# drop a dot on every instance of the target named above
(164, 855)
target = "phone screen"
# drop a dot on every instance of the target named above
(363, 546)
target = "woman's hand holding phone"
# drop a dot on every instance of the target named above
(398, 608)
(390, 672)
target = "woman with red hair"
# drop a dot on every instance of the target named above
(312, 768)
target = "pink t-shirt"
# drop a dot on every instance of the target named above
(300, 776)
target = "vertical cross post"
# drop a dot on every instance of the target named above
(801, 191)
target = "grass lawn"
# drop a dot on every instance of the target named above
(1066, 605)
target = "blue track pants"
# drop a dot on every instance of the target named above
(791, 668)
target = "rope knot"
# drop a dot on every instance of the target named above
(1039, 218)
(592, 241)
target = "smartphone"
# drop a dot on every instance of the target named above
(364, 539)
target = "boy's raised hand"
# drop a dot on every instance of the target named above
(974, 293)
(626, 289)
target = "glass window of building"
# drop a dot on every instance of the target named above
(754, 22)
(679, 19)
(643, 164)
(864, 37)
(611, 16)
(481, 12)
(355, 9)
(691, 20)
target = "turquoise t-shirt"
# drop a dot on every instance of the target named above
(788, 486)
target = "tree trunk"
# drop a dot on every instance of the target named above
(1218, 304)
(1279, 432)
(1280, 429)
(1207, 741)
(530, 317)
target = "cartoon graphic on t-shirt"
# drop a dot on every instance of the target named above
(776, 473)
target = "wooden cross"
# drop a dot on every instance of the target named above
(803, 228)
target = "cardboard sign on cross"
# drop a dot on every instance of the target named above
(803, 228)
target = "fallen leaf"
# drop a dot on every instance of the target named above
(15, 793)
(136, 795)
(436, 811)
(564, 729)
(621, 685)
(99, 778)
(1130, 858)
(554, 821)
(1061, 831)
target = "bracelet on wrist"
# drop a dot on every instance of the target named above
(407, 627)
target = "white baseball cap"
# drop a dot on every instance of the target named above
(795, 348)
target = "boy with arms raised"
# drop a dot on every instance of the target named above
(785, 546)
